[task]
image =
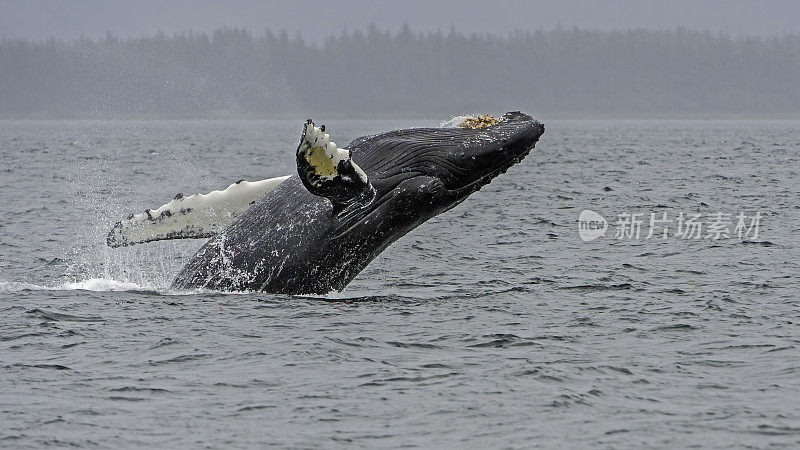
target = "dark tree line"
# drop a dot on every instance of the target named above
(233, 72)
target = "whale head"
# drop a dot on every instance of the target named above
(458, 161)
(385, 185)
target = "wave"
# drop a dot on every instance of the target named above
(104, 284)
(107, 284)
(91, 284)
(17, 286)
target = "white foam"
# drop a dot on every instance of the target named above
(91, 284)
(109, 285)
(104, 285)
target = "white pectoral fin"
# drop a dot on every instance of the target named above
(194, 216)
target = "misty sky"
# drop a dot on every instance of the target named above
(40, 19)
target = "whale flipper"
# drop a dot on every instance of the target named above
(328, 171)
(194, 216)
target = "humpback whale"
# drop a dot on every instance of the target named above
(313, 232)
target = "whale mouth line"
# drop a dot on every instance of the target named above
(483, 180)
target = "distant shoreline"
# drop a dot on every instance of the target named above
(234, 73)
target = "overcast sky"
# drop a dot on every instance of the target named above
(40, 19)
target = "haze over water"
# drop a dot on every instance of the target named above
(491, 325)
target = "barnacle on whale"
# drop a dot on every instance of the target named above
(478, 121)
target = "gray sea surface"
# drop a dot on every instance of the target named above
(492, 325)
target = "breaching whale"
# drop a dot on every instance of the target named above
(313, 232)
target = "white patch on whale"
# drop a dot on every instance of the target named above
(323, 155)
(194, 216)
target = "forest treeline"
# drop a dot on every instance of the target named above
(232, 72)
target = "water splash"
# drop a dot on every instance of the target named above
(103, 285)
(455, 121)
(91, 284)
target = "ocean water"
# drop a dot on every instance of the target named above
(492, 325)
